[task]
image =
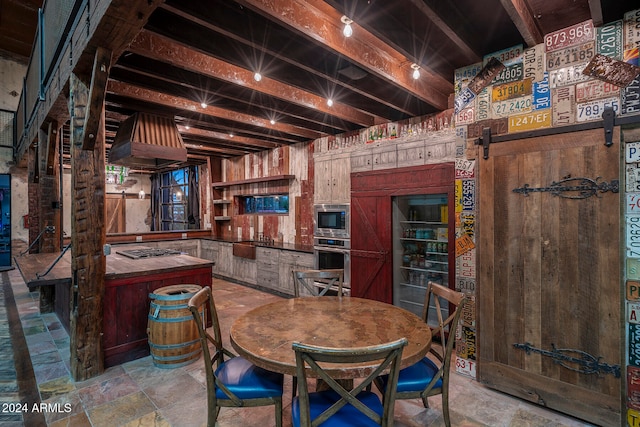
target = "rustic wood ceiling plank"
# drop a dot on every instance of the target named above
(293, 60)
(147, 95)
(160, 48)
(524, 20)
(321, 23)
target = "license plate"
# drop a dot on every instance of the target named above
(498, 127)
(633, 237)
(631, 97)
(465, 74)
(633, 290)
(632, 174)
(609, 40)
(533, 63)
(511, 90)
(483, 105)
(466, 367)
(463, 99)
(593, 110)
(465, 116)
(633, 387)
(611, 70)
(595, 89)
(633, 313)
(632, 56)
(511, 106)
(525, 122)
(509, 74)
(633, 268)
(575, 34)
(542, 94)
(632, 150)
(486, 76)
(508, 56)
(563, 105)
(571, 55)
(632, 29)
(567, 76)
(633, 203)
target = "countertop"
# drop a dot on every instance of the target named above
(33, 266)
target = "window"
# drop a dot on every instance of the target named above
(273, 204)
(174, 197)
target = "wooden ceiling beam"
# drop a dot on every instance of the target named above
(209, 134)
(146, 95)
(595, 7)
(525, 22)
(284, 58)
(154, 46)
(321, 23)
(451, 34)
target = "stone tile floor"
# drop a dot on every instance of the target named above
(139, 394)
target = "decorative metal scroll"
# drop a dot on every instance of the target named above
(574, 360)
(573, 188)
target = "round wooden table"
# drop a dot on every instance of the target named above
(264, 335)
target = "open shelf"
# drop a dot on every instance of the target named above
(224, 184)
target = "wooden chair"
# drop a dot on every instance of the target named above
(428, 378)
(317, 282)
(233, 381)
(339, 406)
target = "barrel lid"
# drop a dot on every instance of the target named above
(175, 292)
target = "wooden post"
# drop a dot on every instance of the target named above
(88, 233)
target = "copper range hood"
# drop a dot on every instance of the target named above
(147, 141)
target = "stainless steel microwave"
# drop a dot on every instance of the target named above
(331, 221)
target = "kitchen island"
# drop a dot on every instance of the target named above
(128, 282)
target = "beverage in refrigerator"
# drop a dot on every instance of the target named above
(420, 247)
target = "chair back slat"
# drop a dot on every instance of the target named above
(318, 359)
(317, 282)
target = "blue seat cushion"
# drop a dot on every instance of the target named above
(247, 381)
(415, 377)
(347, 416)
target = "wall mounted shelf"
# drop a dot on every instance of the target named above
(225, 184)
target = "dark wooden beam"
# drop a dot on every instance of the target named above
(154, 46)
(321, 23)
(88, 236)
(241, 141)
(524, 20)
(53, 139)
(595, 7)
(433, 16)
(142, 94)
(101, 66)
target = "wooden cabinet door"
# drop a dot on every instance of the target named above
(322, 180)
(549, 286)
(340, 183)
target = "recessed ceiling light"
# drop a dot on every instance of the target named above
(203, 104)
(187, 127)
(329, 102)
(257, 76)
(273, 122)
(230, 135)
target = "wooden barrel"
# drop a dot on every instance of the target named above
(173, 335)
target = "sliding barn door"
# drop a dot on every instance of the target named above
(549, 281)
(115, 206)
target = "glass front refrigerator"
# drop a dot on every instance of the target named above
(420, 247)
